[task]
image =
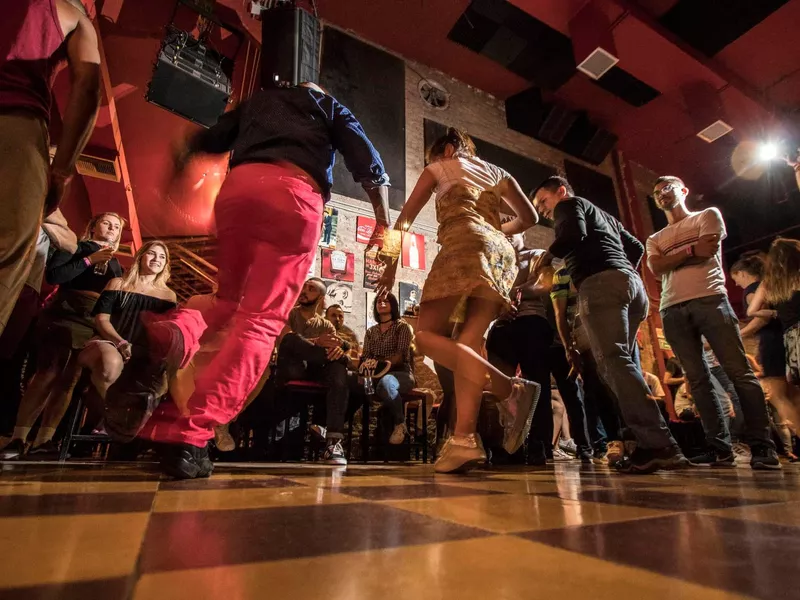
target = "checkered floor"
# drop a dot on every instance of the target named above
(306, 532)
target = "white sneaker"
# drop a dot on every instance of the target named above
(334, 454)
(398, 434)
(223, 439)
(741, 454)
(459, 455)
(517, 412)
(559, 455)
(569, 446)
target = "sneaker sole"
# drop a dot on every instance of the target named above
(765, 467)
(518, 437)
(658, 464)
(182, 470)
(467, 466)
(341, 462)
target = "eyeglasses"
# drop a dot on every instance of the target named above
(671, 187)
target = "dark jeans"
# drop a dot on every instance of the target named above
(712, 317)
(572, 395)
(300, 359)
(389, 390)
(612, 305)
(602, 414)
(526, 343)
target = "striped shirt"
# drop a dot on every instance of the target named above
(382, 345)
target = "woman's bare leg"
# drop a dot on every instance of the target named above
(105, 363)
(462, 356)
(39, 391)
(560, 424)
(59, 401)
(780, 396)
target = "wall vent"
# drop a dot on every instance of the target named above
(433, 94)
(598, 63)
(715, 131)
(92, 164)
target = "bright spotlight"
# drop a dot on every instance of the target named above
(768, 152)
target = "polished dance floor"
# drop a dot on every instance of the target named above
(306, 532)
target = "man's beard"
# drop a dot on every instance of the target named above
(307, 303)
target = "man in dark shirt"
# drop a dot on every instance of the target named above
(269, 215)
(601, 258)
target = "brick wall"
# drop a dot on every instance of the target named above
(481, 115)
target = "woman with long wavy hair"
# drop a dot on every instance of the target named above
(778, 297)
(472, 274)
(64, 327)
(118, 310)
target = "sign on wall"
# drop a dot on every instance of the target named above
(409, 296)
(338, 265)
(369, 319)
(341, 294)
(330, 224)
(373, 269)
(365, 226)
(414, 251)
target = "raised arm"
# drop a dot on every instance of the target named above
(83, 56)
(527, 216)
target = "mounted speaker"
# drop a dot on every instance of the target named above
(290, 43)
(588, 141)
(528, 114)
(190, 79)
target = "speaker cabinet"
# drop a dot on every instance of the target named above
(190, 80)
(290, 45)
(528, 114)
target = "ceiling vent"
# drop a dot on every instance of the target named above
(97, 162)
(715, 131)
(433, 94)
(597, 63)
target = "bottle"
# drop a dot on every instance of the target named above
(413, 253)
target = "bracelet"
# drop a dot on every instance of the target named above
(690, 251)
(87, 261)
(122, 343)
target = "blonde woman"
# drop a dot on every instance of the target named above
(473, 273)
(118, 310)
(778, 297)
(64, 327)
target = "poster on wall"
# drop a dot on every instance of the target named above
(330, 224)
(312, 267)
(414, 251)
(341, 294)
(373, 268)
(365, 227)
(338, 265)
(369, 318)
(409, 296)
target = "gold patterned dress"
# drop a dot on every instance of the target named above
(475, 255)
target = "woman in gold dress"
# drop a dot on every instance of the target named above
(473, 272)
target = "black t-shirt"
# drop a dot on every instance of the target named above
(590, 240)
(125, 309)
(789, 311)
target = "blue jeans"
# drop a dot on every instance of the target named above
(612, 305)
(389, 389)
(713, 318)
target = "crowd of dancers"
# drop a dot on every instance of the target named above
(126, 330)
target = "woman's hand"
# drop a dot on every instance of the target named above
(386, 282)
(101, 256)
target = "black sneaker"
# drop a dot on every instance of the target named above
(536, 456)
(334, 453)
(16, 449)
(764, 458)
(49, 447)
(713, 459)
(586, 456)
(643, 460)
(184, 461)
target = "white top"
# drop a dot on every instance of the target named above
(471, 171)
(690, 281)
(38, 262)
(654, 384)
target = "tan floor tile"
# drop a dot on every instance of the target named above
(787, 513)
(337, 481)
(40, 550)
(729, 492)
(500, 568)
(524, 486)
(232, 499)
(515, 513)
(33, 488)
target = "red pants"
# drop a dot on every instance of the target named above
(268, 226)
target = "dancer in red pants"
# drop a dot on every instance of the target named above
(269, 215)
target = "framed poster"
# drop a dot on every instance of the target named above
(409, 296)
(341, 294)
(373, 269)
(313, 267)
(338, 265)
(365, 227)
(414, 251)
(369, 320)
(330, 224)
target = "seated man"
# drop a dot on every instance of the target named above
(309, 348)
(387, 357)
(335, 314)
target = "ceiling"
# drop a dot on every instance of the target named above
(730, 46)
